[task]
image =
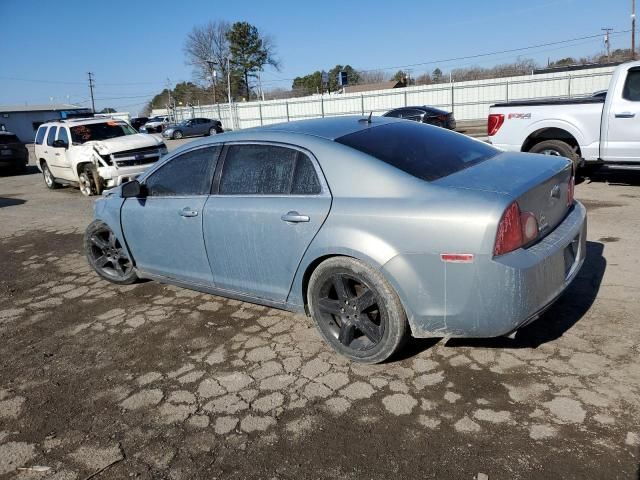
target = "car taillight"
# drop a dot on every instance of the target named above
(494, 122)
(515, 230)
(571, 190)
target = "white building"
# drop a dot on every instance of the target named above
(24, 120)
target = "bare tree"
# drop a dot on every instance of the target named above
(207, 49)
(372, 76)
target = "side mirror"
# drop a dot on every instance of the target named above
(131, 189)
(60, 144)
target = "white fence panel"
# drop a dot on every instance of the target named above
(467, 100)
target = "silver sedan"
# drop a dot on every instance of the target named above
(377, 228)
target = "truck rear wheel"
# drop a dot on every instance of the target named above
(49, 179)
(557, 148)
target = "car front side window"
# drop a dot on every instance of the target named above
(188, 174)
(631, 90)
(62, 135)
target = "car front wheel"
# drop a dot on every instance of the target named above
(356, 310)
(213, 131)
(86, 182)
(106, 254)
(177, 135)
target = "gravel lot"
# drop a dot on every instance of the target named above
(152, 381)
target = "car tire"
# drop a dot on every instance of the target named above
(86, 182)
(557, 148)
(107, 256)
(49, 179)
(213, 131)
(177, 135)
(356, 310)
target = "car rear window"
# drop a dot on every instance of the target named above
(423, 151)
(7, 139)
(42, 131)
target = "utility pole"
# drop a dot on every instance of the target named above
(91, 85)
(607, 43)
(633, 29)
(169, 103)
(233, 124)
(260, 86)
(214, 74)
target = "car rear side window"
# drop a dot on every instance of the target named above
(52, 135)
(42, 131)
(305, 178)
(257, 170)
(187, 174)
(7, 139)
(426, 152)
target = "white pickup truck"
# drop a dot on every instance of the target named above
(601, 130)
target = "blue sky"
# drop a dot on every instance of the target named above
(134, 46)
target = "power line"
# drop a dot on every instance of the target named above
(468, 57)
(480, 55)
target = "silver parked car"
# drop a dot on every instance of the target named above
(377, 228)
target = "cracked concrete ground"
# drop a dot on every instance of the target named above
(153, 381)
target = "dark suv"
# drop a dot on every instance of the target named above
(13, 154)
(424, 114)
(137, 122)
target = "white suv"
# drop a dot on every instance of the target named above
(93, 153)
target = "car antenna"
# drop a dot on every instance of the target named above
(368, 119)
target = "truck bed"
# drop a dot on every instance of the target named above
(550, 101)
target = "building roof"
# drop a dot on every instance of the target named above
(45, 107)
(373, 86)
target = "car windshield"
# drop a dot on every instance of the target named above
(100, 131)
(423, 151)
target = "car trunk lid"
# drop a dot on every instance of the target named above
(539, 183)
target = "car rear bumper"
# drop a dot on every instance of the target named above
(12, 161)
(491, 296)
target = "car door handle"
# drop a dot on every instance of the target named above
(187, 212)
(625, 115)
(294, 217)
(57, 154)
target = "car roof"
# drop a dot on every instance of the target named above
(82, 121)
(329, 128)
(425, 108)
